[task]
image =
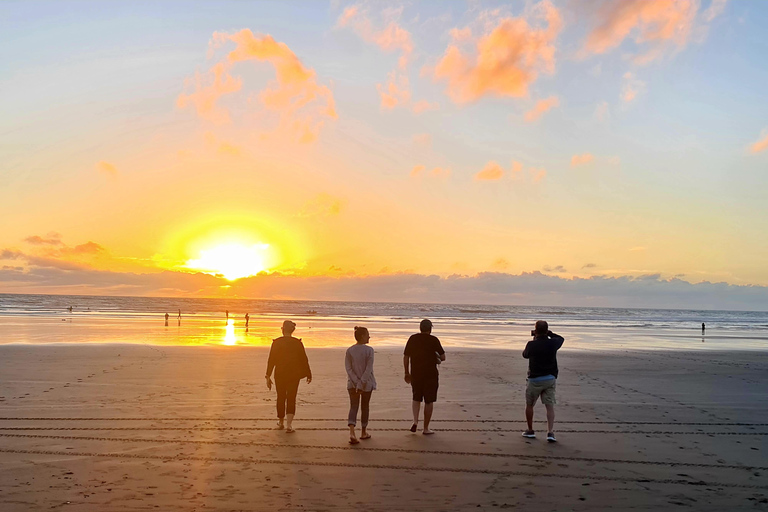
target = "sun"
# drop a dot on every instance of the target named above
(232, 260)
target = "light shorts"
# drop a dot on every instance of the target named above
(545, 389)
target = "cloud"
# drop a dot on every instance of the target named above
(517, 169)
(631, 88)
(106, 168)
(541, 106)
(589, 265)
(491, 172)
(301, 102)
(323, 205)
(537, 175)
(460, 35)
(391, 38)
(558, 269)
(424, 105)
(417, 170)
(761, 144)
(714, 10)
(602, 113)
(396, 92)
(53, 239)
(423, 139)
(584, 159)
(527, 288)
(654, 23)
(435, 172)
(506, 61)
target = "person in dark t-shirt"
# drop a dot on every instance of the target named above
(541, 353)
(288, 359)
(422, 354)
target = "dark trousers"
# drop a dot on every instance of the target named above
(286, 393)
(354, 403)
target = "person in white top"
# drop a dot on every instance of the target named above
(360, 382)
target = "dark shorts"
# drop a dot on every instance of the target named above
(424, 388)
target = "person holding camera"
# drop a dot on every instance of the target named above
(541, 353)
(422, 354)
(289, 360)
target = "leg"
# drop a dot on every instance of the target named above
(550, 417)
(291, 391)
(428, 407)
(416, 407)
(354, 403)
(366, 403)
(529, 416)
(280, 386)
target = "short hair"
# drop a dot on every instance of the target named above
(425, 326)
(288, 327)
(360, 332)
(542, 327)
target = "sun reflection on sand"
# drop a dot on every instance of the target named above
(229, 333)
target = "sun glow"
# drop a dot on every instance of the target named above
(232, 260)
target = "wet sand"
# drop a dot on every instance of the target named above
(132, 427)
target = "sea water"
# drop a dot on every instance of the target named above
(40, 319)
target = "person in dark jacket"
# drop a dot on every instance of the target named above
(289, 360)
(541, 353)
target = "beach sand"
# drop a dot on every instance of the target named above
(138, 427)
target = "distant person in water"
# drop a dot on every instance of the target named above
(227, 314)
(289, 360)
(703, 328)
(422, 354)
(247, 319)
(360, 382)
(70, 309)
(541, 353)
(166, 319)
(179, 314)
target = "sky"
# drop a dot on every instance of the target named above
(553, 152)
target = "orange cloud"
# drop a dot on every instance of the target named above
(507, 60)
(517, 169)
(393, 37)
(423, 105)
(205, 97)
(577, 160)
(631, 88)
(301, 101)
(658, 23)
(491, 172)
(760, 145)
(106, 168)
(460, 35)
(396, 92)
(436, 172)
(417, 170)
(538, 175)
(541, 106)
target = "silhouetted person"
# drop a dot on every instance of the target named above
(424, 352)
(179, 314)
(703, 328)
(541, 353)
(247, 319)
(70, 309)
(227, 314)
(166, 319)
(360, 382)
(289, 360)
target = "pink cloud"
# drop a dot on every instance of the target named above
(396, 92)
(206, 96)
(461, 34)
(631, 88)
(583, 159)
(391, 38)
(541, 106)
(506, 61)
(652, 24)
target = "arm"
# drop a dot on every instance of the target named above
(406, 361)
(557, 339)
(526, 353)
(440, 350)
(350, 371)
(306, 363)
(368, 369)
(270, 365)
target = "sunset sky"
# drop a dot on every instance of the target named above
(601, 152)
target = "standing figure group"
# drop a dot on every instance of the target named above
(421, 357)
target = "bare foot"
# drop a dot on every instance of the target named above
(353, 440)
(414, 427)
(289, 430)
(365, 436)
(280, 425)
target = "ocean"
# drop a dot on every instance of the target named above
(43, 319)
